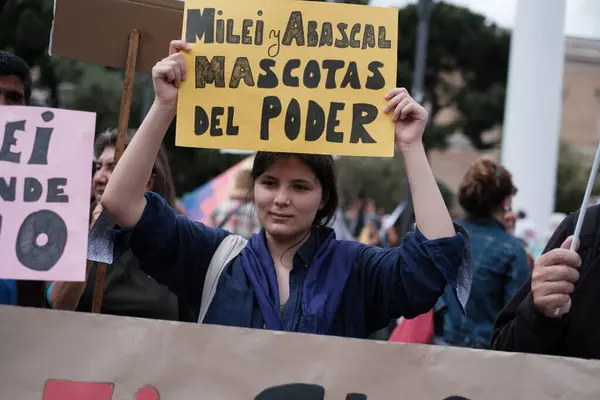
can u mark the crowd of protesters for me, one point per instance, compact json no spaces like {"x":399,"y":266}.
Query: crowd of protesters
{"x":278,"y":222}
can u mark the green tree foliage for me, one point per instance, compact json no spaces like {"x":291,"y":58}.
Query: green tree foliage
{"x":193,"y":167}
{"x":99,"y":90}
{"x":383,"y":180}
{"x":25,"y":30}
{"x":467,"y":61}
{"x":571,"y":179}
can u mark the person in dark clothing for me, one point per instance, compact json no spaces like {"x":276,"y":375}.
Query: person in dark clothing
{"x":554,"y":312}
{"x":499,"y":259}
{"x":128,"y":291}
{"x":359,"y":223}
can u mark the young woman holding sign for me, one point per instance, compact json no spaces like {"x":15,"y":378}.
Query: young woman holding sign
{"x":294,"y":275}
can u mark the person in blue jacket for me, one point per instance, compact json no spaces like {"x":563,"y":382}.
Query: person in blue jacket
{"x":293,"y":275}
{"x":8,"y":292}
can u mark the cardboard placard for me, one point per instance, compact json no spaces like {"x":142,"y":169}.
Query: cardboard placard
{"x":52,"y":355}
{"x":303,"y":77}
{"x":96,"y":31}
{"x":45,"y":179}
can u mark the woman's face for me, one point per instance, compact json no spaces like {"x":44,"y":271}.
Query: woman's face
{"x":287,"y":197}
{"x":102,"y":171}
{"x":509,"y":217}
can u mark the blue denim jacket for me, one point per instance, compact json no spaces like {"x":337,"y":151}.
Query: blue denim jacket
{"x":382,"y":284}
{"x":499,"y":269}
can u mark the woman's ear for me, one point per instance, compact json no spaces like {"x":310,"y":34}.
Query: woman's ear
{"x":324,"y":201}
{"x":507,"y":203}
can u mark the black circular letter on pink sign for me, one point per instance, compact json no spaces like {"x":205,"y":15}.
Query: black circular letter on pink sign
{"x":41,"y":258}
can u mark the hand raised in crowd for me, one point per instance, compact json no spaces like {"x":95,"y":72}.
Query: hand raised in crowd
{"x":410,"y":117}
{"x":553,"y":280}
{"x":168,"y":73}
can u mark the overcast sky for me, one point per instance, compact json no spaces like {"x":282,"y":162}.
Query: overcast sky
{"x":582,"y":19}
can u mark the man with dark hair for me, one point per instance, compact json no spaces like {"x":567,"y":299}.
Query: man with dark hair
{"x":15,"y":90}
{"x":15,"y":80}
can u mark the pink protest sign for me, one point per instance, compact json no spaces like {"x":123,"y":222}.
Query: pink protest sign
{"x":45,"y":182}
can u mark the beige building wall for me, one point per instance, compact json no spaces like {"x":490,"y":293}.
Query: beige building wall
{"x":580,"y":116}
{"x":581,"y":108}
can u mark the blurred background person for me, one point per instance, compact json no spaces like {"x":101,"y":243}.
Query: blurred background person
{"x":238,"y":214}
{"x":500,"y":264}
{"x":128,"y":291}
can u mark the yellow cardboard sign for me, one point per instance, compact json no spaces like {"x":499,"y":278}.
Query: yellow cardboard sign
{"x":301,"y":77}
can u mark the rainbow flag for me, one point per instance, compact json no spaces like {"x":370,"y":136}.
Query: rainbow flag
{"x":200,"y":203}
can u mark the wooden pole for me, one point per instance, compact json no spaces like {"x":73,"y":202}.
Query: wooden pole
{"x":132,"y":52}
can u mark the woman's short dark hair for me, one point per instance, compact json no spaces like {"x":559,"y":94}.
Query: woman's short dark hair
{"x":163,"y":181}
{"x":484,"y":187}
{"x":322,"y":166}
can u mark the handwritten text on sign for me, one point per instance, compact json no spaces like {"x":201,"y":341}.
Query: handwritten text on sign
{"x":303,"y":77}
{"x":45,"y":178}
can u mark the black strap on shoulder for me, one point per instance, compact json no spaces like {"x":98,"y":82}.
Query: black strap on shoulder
{"x":590,"y":223}
{"x":589,"y":238}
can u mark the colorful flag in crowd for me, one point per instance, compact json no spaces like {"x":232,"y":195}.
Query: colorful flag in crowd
{"x":200,"y":203}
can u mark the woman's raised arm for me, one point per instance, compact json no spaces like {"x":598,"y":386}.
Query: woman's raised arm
{"x":124,"y":198}
{"x":433,"y":218}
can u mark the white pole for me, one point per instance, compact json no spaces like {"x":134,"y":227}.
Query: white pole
{"x":586,"y":199}
{"x":534,"y":105}
{"x":584,"y":206}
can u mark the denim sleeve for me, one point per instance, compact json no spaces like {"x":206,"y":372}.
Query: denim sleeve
{"x":518,"y":274}
{"x":172,"y":249}
{"x":407,"y":281}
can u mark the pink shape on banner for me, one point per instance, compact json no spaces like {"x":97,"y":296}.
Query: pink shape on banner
{"x":147,"y":393}
{"x":45,"y":179}
{"x":71,"y":390}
